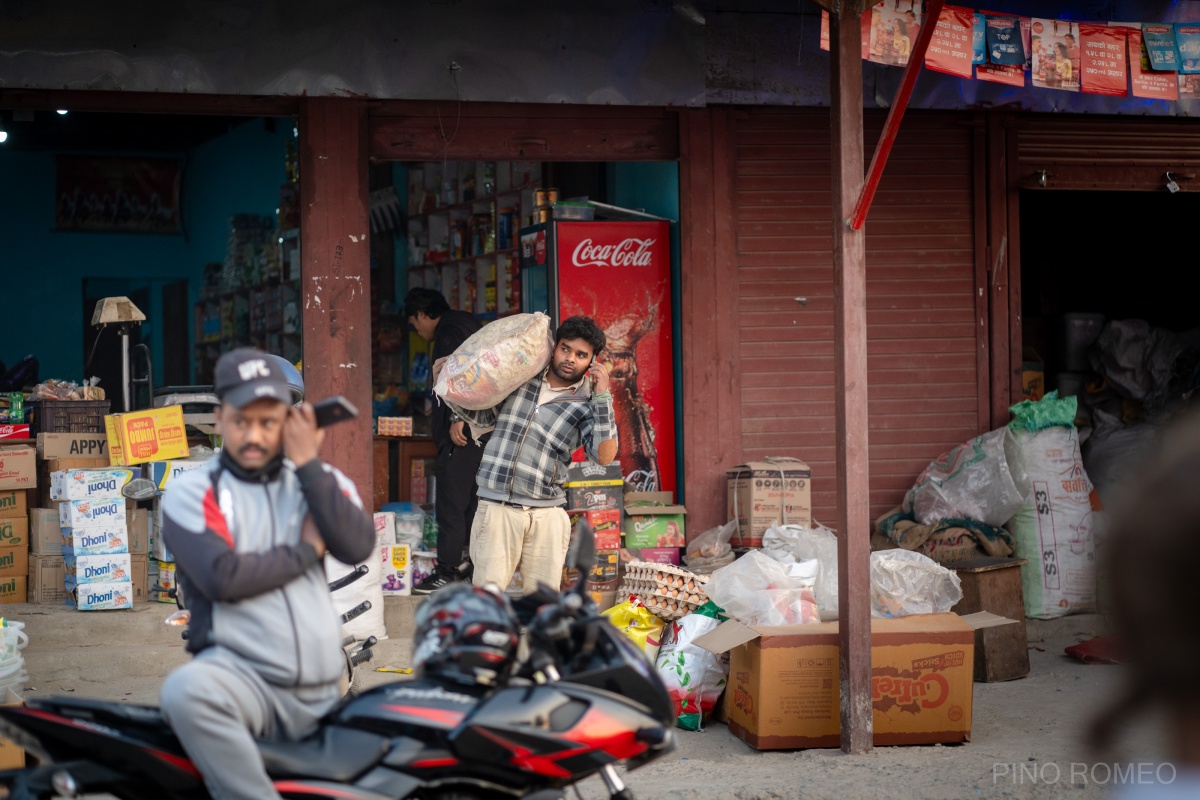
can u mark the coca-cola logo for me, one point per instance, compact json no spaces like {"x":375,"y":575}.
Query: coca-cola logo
{"x":629,"y":253}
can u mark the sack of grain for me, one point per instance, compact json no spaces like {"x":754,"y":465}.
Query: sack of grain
{"x":495,"y":361}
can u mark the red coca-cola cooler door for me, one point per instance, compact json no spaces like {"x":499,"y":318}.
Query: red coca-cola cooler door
{"x":619,"y":273}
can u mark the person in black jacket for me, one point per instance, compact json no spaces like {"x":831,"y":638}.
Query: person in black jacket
{"x":458,"y":454}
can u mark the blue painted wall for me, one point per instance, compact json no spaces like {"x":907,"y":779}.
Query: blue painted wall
{"x":42,"y":271}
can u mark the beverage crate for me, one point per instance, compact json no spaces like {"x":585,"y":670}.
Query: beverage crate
{"x":67,"y":416}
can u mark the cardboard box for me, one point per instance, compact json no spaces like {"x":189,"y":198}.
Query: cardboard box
{"x":763,"y":493}
{"x":14,"y":560}
{"x":105,"y":568}
{"x":396,"y":576}
{"x":51,"y":465}
{"x":136,"y":437}
{"x":606,"y":526}
{"x":652,"y":521}
{"x":656,"y":555}
{"x":994,"y":585}
{"x":13,"y":503}
{"x":47,"y":579}
{"x":89,"y":484}
{"x":99,"y":596}
{"x":138,"y":527}
{"x":581,"y":472}
{"x":602,"y":495}
{"x":45,"y":532}
{"x":163,"y":472}
{"x":12,"y":430}
{"x":13,"y":589}
{"x":94,"y":541}
{"x":18,"y":466}
{"x":140,"y":566}
{"x":72,"y":445}
{"x":783,"y":690}
{"x":14,"y":531}
{"x":80,"y":514}
{"x":11,"y":756}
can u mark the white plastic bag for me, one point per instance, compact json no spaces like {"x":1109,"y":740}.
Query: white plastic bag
{"x":904,"y":582}
{"x":495,"y":361}
{"x":693,"y":676}
{"x":789,"y":544}
{"x":710,"y":550}
{"x":368,"y":587}
{"x":758,"y":590}
{"x":983,"y":479}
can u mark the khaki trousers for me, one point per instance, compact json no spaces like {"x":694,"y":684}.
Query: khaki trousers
{"x":506,"y":538}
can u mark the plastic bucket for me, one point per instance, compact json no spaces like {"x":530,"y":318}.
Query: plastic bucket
{"x":1080,"y":331}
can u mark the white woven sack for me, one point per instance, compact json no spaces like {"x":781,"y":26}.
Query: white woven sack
{"x":495,"y":361}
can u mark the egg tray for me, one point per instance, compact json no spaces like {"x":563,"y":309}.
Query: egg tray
{"x":668,"y":591}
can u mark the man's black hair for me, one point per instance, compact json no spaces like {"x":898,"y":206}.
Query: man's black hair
{"x":582,"y":328}
{"x":427,"y":300}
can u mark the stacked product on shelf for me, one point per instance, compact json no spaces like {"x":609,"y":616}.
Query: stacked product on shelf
{"x":597,"y":493}
{"x":163,"y":473}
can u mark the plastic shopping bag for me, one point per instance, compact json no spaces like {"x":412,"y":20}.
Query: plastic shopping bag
{"x":495,"y":361}
{"x":638,"y":623}
{"x":904,"y":583}
{"x":758,"y":590}
{"x":789,"y":544}
{"x":983,"y":479}
{"x":693,"y":676}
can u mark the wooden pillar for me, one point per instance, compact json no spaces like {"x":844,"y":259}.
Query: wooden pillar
{"x":335,"y":291}
{"x":850,"y":380}
{"x":712,"y":435}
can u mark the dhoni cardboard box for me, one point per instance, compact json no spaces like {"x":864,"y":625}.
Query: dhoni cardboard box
{"x":99,"y":596}
{"x":89,"y":484}
{"x":762,"y":493}
{"x":14,"y":531}
{"x":72,"y":445}
{"x":45,"y":532}
{"x":14,"y":560}
{"x":18,"y":466}
{"x":94,"y":541}
{"x":104,"y":568}
{"x":11,"y":756}
{"x":652,"y":521}
{"x":13,"y":503}
{"x":50,"y":466}
{"x":606,"y":526}
{"x":594,"y":486}
{"x":13,"y":589}
{"x":109,"y":513}
{"x":783,"y":689}
{"x":156,"y":434}
{"x":47,"y":579}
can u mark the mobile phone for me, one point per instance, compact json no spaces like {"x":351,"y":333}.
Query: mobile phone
{"x":334,"y":409}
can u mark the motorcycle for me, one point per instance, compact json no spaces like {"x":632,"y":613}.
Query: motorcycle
{"x":582,"y":700}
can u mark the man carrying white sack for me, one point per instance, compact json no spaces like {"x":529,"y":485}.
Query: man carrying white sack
{"x":521,"y":522}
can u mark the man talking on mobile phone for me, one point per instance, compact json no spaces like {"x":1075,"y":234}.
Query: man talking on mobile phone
{"x":521,"y":522}
{"x":248,"y":533}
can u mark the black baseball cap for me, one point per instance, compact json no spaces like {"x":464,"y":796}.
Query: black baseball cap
{"x":247,"y":374}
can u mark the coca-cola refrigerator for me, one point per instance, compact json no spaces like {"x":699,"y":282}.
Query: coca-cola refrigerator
{"x":619,"y":274}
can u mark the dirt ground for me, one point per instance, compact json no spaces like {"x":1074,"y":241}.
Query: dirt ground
{"x":1025,"y":737}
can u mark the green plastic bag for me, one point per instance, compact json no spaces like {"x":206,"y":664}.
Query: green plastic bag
{"x":1049,"y":412}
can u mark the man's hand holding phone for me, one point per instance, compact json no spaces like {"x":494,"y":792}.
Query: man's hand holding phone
{"x":302,"y":439}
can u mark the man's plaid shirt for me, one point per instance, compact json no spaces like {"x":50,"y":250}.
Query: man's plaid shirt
{"x":526,"y":459}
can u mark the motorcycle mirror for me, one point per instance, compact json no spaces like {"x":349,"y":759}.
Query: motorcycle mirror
{"x":140,"y":489}
{"x":582,"y":553}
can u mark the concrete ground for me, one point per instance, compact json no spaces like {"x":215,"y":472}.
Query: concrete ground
{"x":1025,"y":737}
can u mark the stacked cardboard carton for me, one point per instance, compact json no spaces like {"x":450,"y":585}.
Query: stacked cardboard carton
{"x":597,"y":493}
{"x":93,"y":518}
{"x":18,"y":479}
